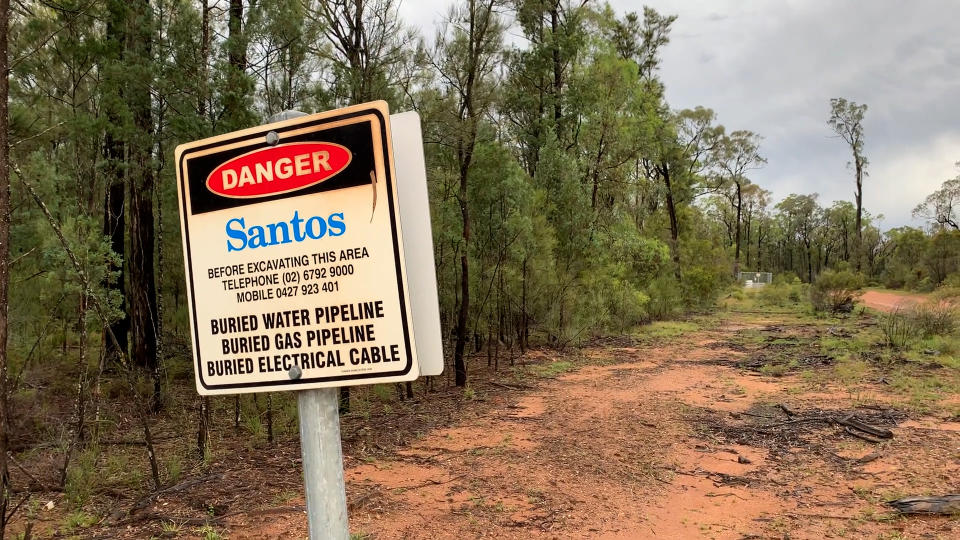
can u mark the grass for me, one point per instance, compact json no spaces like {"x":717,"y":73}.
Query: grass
{"x":661,"y":330}
{"x":916,"y":351}
{"x":553,"y":369}
{"x":207,"y":532}
{"x":75,"y":521}
{"x":82,"y":477}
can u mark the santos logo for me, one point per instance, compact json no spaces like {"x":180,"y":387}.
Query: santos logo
{"x":278,"y":169}
{"x":240,"y":237}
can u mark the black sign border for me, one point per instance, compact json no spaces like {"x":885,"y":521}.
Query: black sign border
{"x":388,"y":171}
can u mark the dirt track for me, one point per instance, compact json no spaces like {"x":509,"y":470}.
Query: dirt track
{"x":887,"y":301}
{"x":684,"y":440}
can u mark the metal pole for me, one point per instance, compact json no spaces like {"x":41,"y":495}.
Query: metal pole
{"x":323,"y":464}
{"x":320,"y":442}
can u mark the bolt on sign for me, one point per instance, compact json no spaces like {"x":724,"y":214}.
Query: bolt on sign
{"x":294,"y":255}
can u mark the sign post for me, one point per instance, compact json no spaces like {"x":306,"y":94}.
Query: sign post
{"x":296,"y":273}
{"x":323,"y":463}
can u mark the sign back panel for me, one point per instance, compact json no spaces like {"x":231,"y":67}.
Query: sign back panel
{"x":294,"y":255}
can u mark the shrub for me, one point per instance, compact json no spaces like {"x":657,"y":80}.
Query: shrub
{"x":701,"y":287}
{"x":934,"y":319}
{"x":665,"y":298}
{"x":925,"y":285}
{"x":899,"y":329}
{"x":774,"y":295}
{"x":835,"y":291}
{"x":785,"y":278}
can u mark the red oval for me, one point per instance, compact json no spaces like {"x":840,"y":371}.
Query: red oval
{"x":278,"y":169}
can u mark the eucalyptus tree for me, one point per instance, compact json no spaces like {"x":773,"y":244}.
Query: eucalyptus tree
{"x":681,"y":151}
{"x":755,"y":199}
{"x":736,"y":154}
{"x":846,"y":120}
{"x":840,"y":232}
{"x":5,"y":490}
{"x":644,"y":41}
{"x":942,"y":207}
{"x":800,"y":217}
{"x":367,"y":46}
{"x":466,"y":58}
{"x":282,"y":54}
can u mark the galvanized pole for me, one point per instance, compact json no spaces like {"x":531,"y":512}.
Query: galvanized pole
{"x":320,"y":442}
{"x":323,"y":463}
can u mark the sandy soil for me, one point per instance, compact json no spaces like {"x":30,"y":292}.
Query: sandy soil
{"x":728,"y":433}
{"x":674,"y":441}
{"x":888,"y":301}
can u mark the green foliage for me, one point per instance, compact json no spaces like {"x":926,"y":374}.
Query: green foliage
{"x":74,"y":522}
{"x":582,"y":183}
{"x":899,"y":329}
{"x":934,"y":319}
{"x":553,"y":369}
{"x":835,"y":291}
{"x":208,"y":532}
{"x":666,"y":299}
{"x":82,"y":477}
{"x":780,"y":294}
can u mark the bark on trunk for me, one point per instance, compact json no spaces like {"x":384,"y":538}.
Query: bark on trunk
{"x":114,"y":223}
{"x":858,"y":249}
{"x":736,"y":258}
{"x":142,"y":291}
{"x":4,"y":260}
{"x":557,"y":66}
{"x":674,"y":223}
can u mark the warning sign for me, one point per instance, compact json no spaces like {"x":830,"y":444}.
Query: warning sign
{"x":294,"y":255}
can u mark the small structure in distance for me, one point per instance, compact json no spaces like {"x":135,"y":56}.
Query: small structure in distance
{"x":753,"y":280}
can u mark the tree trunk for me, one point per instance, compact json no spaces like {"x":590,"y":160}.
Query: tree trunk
{"x":674,"y":224}
{"x":203,"y":430}
{"x":736,"y":258}
{"x":203,"y":424}
{"x":114,"y":222}
{"x":142,"y":291}
{"x":759,"y":243}
{"x":858,"y":249}
{"x":459,"y":365}
{"x":234,"y":106}
{"x":4,"y":259}
{"x":557,"y":66}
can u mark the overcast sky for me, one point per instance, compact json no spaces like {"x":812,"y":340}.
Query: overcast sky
{"x":772,"y":67}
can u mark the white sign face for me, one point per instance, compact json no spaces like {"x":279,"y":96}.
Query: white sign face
{"x":294,"y":255}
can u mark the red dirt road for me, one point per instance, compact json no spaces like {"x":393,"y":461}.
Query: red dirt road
{"x":675,"y":440}
{"x":886,"y":301}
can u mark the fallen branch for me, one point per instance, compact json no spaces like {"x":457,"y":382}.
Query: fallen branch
{"x":428,"y":483}
{"x":851,"y":421}
{"x":135,"y":442}
{"x":511,"y":386}
{"x":944,"y":504}
{"x":150,"y":497}
{"x":787,"y":410}
{"x":35,"y":480}
{"x":862,"y":436}
{"x":208,"y":520}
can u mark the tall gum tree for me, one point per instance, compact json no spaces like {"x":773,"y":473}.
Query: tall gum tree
{"x":846,"y":120}
{"x":736,"y":154}
{"x":466,"y":57}
{"x":4,"y":258}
